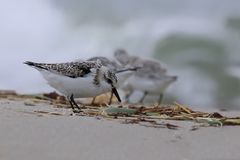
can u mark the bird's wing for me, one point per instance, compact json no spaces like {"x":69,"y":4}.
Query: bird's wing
{"x":111,"y":64}
{"x":71,"y":69}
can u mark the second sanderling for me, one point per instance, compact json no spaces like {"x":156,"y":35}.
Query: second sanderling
{"x":151,"y":78}
{"x":78,"y":79}
{"x":122,"y":72}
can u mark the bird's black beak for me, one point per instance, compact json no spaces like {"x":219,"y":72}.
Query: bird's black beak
{"x":115,"y":92}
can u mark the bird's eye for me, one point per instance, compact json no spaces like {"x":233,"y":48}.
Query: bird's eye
{"x":109,"y":81}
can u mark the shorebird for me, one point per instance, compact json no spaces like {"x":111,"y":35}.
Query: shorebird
{"x":122,"y":72}
{"x":78,"y":79}
{"x":151,"y":78}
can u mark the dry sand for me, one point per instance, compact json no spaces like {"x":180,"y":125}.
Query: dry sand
{"x":28,"y":136}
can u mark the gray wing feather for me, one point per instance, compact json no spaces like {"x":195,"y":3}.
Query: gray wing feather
{"x":71,"y":69}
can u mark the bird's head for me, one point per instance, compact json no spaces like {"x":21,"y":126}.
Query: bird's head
{"x":111,"y":79}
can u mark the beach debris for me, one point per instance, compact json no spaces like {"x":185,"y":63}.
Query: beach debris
{"x":29,"y":103}
{"x":144,"y":115}
{"x":195,"y":128}
{"x":150,"y":123}
{"x":210,"y":121}
{"x":52,"y":95}
{"x":231,"y":121}
{"x":49,"y":113}
{"x":6,"y":93}
{"x":116,"y":111}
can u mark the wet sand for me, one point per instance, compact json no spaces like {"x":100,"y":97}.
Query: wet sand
{"x":27,"y":135}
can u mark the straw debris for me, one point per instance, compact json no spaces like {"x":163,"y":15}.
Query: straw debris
{"x":148,"y":116}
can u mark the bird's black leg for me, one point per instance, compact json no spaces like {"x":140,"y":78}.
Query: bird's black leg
{"x":143,"y":97}
{"x":128,"y":95}
{"x":71,"y":104}
{"x":111,"y":97}
{"x":73,"y":101}
{"x":160,"y":99}
{"x":93,"y":101}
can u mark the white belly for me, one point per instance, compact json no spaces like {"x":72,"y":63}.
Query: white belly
{"x":149,"y":85}
{"x":123,"y":76}
{"x":80,"y":87}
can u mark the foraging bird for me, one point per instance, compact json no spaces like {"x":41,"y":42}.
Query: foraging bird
{"x":78,"y":79}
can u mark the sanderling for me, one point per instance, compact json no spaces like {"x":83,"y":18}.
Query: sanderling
{"x":122,"y":72}
{"x":151,"y":78}
{"x":111,"y":64}
{"x":78,"y":79}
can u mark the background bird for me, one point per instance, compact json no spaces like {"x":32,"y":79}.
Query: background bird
{"x":151,"y":78}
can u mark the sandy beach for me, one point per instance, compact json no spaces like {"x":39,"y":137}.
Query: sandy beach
{"x":173,"y":66}
{"x":27,"y":133}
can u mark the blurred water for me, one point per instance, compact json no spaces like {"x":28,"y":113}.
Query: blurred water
{"x":196,"y":40}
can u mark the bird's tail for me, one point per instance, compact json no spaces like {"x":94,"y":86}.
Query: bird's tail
{"x":35,"y":65}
